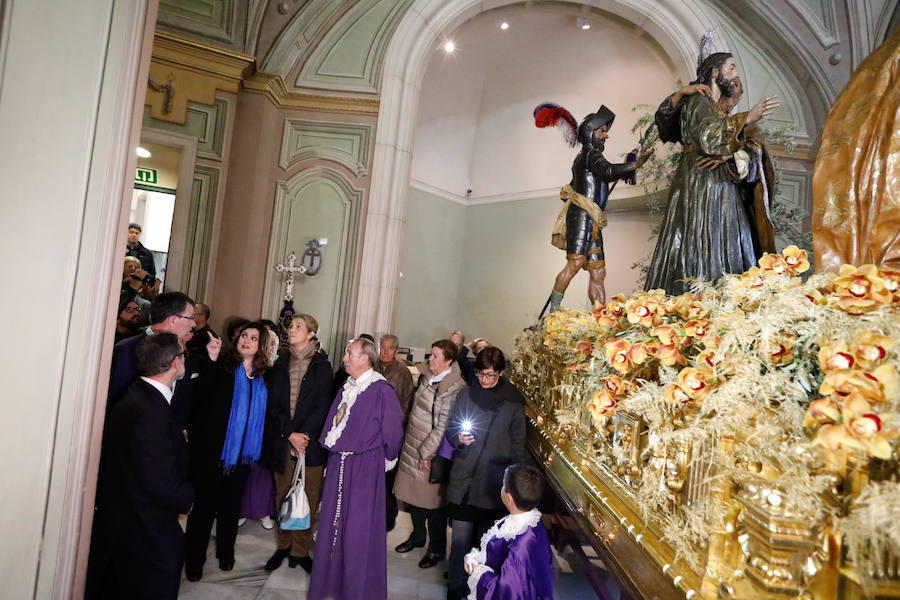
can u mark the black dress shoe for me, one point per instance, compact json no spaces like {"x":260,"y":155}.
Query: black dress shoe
{"x":226,"y":564}
{"x":305,"y":563}
{"x":409,"y":545}
{"x":430,"y":559}
{"x":193,"y":574}
{"x":275,"y":561}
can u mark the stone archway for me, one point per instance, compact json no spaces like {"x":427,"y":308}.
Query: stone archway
{"x":676,"y":26}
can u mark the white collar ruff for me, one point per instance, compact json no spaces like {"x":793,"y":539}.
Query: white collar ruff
{"x":351,"y":391}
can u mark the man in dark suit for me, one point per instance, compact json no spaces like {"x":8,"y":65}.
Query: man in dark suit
{"x":137,"y":546}
{"x":171,"y":312}
{"x":135,"y":248}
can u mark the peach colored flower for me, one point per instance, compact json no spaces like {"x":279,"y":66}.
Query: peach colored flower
{"x":709,"y":358}
{"x":616,"y":307}
{"x":669,"y":356}
{"x":675,"y":395}
{"x":824,"y":411}
{"x":645,"y":309}
{"x":874,"y":386}
{"x":695,"y":382}
{"x":639,"y":353}
{"x":695,"y":310}
{"x":699,"y":328}
{"x":870,"y":348}
{"x":754,"y":277}
{"x":603,"y":404}
{"x":836,"y":357}
{"x":796,"y":259}
{"x":780,"y":348}
{"x":891,"y":281}
{"x":859,"y":290}
{"x":618,"y":386}
{"x":816,"y":297}
{"x":583,"y":348}
{"x":860,"y":429}
{"x":617,"y":353}
{"x":773,"y":263}
{"x":666,"y":334}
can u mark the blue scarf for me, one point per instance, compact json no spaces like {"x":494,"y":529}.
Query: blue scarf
{"x":243,"y":438}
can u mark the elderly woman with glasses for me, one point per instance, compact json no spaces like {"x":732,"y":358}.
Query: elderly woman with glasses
{"x":487,"y":430}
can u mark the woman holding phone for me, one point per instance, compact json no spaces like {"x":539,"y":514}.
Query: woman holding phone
{"x":487,"y":429}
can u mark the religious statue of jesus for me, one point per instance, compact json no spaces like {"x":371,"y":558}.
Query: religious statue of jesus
{"x":711,"y":226}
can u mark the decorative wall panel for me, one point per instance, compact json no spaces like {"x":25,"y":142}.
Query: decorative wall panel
{"x":344,"y":143}
{"x":206,"y":123}
{"x":213,"y":19}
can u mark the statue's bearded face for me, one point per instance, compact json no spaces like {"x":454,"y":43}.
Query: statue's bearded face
{"x":726,"y":77}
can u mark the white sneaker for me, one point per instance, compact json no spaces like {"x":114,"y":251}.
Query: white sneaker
{"x":267,"y":522}
{"x":241,"y":522}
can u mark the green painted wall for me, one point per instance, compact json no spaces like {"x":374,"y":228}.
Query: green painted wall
{"x":487,"y":270}
{"x":431,"y":264}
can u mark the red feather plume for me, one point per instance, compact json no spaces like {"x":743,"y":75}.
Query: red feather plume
{"x":554,"y":115}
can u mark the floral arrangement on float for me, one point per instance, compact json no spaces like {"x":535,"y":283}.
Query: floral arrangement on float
{"x":798,"y":379}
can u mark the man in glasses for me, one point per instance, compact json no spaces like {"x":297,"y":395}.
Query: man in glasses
{"x":128,"y":321}
{"x":171,"y":312}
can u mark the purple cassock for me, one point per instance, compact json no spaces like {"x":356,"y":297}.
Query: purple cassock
{"x":514,"y":562}
{"x":364,"y":429}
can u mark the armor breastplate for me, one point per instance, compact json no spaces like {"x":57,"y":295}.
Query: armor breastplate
{"x":587,"y":183}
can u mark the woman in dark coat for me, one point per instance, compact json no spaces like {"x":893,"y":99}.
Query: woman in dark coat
{"x":304,"y":376}
{"x":487,"y":429}
{"x":232,"y":421}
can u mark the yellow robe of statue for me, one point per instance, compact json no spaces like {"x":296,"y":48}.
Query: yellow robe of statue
{"x":856,"y":181}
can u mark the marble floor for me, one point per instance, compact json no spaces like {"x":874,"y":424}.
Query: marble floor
{"x":406,"y":581}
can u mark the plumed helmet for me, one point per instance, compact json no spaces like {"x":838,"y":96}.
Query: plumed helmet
{"x":594,"y":121}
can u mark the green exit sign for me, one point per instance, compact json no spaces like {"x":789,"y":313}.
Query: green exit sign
{"x":146,"y":175}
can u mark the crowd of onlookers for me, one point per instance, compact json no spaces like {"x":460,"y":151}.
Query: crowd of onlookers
{"x":212,"y":427}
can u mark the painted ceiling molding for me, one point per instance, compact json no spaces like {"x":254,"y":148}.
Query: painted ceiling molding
{"x":206,"y":123}
{"x":220,"y":20}
{"x":344,"y":143}
{"x":272,"y":86}
{"x":820,"y":17}
{"x":294,"y":40}
{"x":256,"y":10}
{"x":349,"y":58}
{"x":869,"y":20}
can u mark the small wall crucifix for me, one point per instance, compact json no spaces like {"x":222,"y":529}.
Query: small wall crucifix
{"x":291,"y":268}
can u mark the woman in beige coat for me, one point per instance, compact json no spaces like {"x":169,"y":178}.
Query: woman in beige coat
{"x":434,"y":398}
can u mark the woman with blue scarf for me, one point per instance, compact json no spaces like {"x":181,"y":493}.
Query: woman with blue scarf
{"x":231,"y":426}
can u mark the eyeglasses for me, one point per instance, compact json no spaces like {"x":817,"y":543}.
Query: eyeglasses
{"x":131,"y":309}
{"x":191,"y":318}
{"x":487,"y":374}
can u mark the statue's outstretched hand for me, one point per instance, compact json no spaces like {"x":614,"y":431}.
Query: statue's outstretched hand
{"x":644,"y":155}
{"x":763,"y":108}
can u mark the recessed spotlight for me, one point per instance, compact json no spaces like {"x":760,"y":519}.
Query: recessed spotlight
{"x":503,"y":24}
{"x":449,"y":47}
{"x":582,"y":23}
{"x":143,"y":152}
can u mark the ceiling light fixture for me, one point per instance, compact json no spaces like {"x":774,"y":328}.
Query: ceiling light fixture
{"x":143,"y":152}
{"x":503,"y":24}
{"x":582,"y":23}
{"x":449,"y":47}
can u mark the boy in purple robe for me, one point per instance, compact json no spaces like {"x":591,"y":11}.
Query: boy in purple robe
{"x":514,"y":561}
{"x":364,"y":433}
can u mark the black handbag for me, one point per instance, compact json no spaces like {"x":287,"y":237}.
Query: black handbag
{"x":440,"y":466}
{"x":440,"y":470}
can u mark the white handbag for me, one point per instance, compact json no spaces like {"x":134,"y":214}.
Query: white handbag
{"x":294,"y":512}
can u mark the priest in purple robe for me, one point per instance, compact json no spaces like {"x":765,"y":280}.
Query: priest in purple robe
{"x":514,"y":561}
{"x":363,"y":433}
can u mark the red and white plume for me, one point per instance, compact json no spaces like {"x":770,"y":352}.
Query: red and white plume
{"x":554,"y":115}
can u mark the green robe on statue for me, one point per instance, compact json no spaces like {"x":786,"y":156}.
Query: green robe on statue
{"x":710,"y":227}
